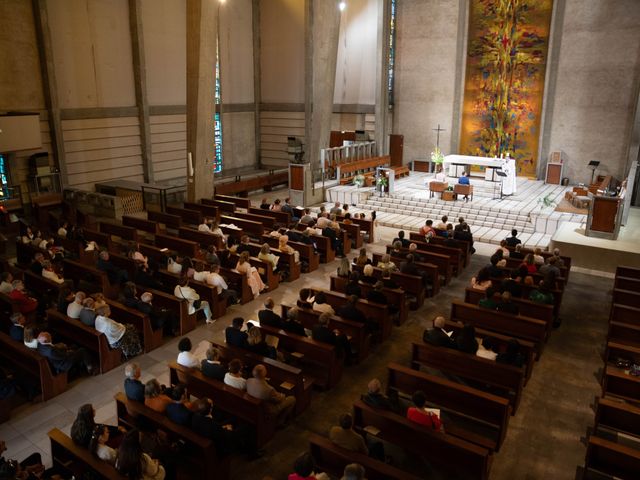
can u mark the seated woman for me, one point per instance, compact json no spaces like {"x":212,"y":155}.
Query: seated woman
{"x":124,"y":337}
{"x":173,"y":265}
{"x":155,"y":397}
{"x":133,"y":463}
{"x":234,"y":377}
{"x":84,"y":425}
{"x":385,"y":263}
{"x":320,"y":304}
{"x":482,"y":281}
{"x":256,"y":344}
{"x":187,"y":267}
{"x":420,"y":415}
{"x":361,"y":260}
{"x":530,"y":264}
{"x":353,"y":287}
{"x":135,"y":255}
{"x":440,"y":176}
{"x":266,"y":256}
{"x":344,"y":270}
{"x":98,"y":445}
{"x":185,"y":357}
{"x":283,"y":247}
{"x":305,"y":298}
{"x":200,"y":274}
{"x":253,"y":277}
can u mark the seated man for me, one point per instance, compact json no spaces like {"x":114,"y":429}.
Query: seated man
{"x":291,"y":325}
{"x":234,"y":335}
{"x":409,"y":267}
{"x":211,"y":366}
{"x":16,"y":331}
{"x":345,"y":437}
{"x":437,"y":335}
{"x":336,"y":210}
{"x":278,"y":405}
{"x":542,"y":294}
{"x":49,"y":274}
{"x":506,"y":305}
{"x":61,"y":357}
{"x":513,"y":240}
{"x":36,"y":265}
{"x":464,"y":180}
{"x":306,"y":218}
{"x":116,"y":275}
{"x":268,"y":316}
{"x":400,"y":238}
{"x":75,"y":307}
{"x":443,"y":222}
{"x":133,"y":387}
{"x":177,"y":410}
{"x":331,"y":232}
{"x":375,"y":398}
{"x":488,"y":301}
{"x":322,"y":333}
{"x":244,"y":245}
{"x":160,"y":317}
{"x":376,"y":295}
{"x":224,"y":292}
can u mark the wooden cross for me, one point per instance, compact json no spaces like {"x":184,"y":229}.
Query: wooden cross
{"x":438,"y":130}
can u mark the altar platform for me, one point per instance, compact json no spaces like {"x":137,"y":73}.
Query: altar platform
{"x":600,"y":255}
{"x":490,"y":218}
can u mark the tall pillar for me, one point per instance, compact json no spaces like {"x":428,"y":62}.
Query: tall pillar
{"x":382,"y":127}
{"x":323,"y":27}
{"x":202,"y":16}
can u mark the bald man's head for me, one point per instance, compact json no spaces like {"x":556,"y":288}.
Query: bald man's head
{"x":439,"y":322}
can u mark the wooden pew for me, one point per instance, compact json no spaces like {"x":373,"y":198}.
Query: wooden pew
{"x":103,"y":240}
{"x":353,"y":231}
{"x":183,"y":247}
{"x":462,"y":245}
{"x":95,"y":342}
{"x":528,"y":349}
{"x":323,"y":243}
{"x":197,"y":458}
{"x":455,"y":255}
{"x":618,"y":349}
{"x":221,"y":205}
{"x":269,"y":277}
{"x":460,"y":403}
{"x":237,"y":201}
{"x":243,"y":187}
{"x":527,"y":308}
{"x":157,"y":254}
{"x":32,"y":366}
{"x":332,"y":459}
{"x":627,"y":283}
{"x":318,"y":360}
{"x":411,"y":284}
{"x":520,"y":327}
{"x":307,"y":253}
{"x":626,"y":297}
{"x":373,"y":311}
{"x":619,"y":417}
{"x":177,"y":306}
{"x":628,"y":271}
{"x":356,"y":332}
{"x":625,"y":314}
{"x":433,"y":271}
{"x":448,"y":452}
{"x":192,"y":217}
{"x":617,"y":383}
{"x":286,"y":261}
{"x":255,"y":229}
{"x":77,"y":461}
{"x":236,"y":402}
{"x":268,"y":222}
{"x":507,"y":380}
{"x":207,"y":292}
{"x":167,"y":219}
{"x":527,"y":289}
{"x":125,"y":233}
{"x":282,"y":218}
{"x":624,"y":333}
{"x":141,"y":224}
{"x":41,"y":285}
{"x":285,"y":378}
{"x":395,"y":296}
{"x":609,"y":458}
{"x":208,"y":211}
{"x":149,"y":338}
{"x":78,"y":271}
{"x":204,"y":239}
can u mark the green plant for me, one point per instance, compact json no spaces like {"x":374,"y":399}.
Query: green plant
{"x":358,"y":180}
{"x":546,"y":201}
{"x":437,"y":156}
{"x":383,"y":181}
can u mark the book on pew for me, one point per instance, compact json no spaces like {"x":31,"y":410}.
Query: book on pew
{"x":371,"y":430}
{"x":435,"y":411}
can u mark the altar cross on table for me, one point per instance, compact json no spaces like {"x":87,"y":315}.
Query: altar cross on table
{"x":438,"y":130}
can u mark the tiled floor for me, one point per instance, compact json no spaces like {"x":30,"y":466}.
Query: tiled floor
{"x":543,"y":439}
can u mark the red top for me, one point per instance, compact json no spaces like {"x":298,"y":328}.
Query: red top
{"x":427,"y":419}
{"x":531,"y":268}
{"x":427,"y":230}
{"x":295,"y":476}
{"x":26,"y":304}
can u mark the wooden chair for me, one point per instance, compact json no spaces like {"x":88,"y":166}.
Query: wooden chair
{"x":437,"y":187}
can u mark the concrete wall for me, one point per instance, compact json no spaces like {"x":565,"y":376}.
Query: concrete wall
{"x":425,"y":74}
{"x":598,"y":76}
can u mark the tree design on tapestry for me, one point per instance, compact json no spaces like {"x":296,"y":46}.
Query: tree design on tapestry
{"x":507,"y":52}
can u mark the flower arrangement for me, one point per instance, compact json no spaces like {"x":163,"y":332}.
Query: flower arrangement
{"x":546,"y":202}
{"x":437,"y":156}
{"x":383,"y":181}
{"x":358,"y":180}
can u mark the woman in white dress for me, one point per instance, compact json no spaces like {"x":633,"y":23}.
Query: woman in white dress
{"x":253,"y":277}
{"x":124,"y":337}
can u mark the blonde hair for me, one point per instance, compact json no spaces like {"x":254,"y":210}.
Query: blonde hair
{"x":244,"y":257}
{"x":254,"y":336}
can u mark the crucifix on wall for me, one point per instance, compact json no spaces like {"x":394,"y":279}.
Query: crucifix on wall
{"x":438,"y":130}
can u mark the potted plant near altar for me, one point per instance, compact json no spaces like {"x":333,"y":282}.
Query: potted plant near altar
{"x":437,"y":157}
{"x":546,"y":202}
{"x":383,"y":183}
{"x":358,"y":180}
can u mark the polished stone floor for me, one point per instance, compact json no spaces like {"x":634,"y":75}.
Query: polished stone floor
{"x":543,"y":439}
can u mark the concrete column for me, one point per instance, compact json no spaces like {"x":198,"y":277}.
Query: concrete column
{"x":202,"y":16}
{"x":257,"y":89}
{"x":383,"y":119}
{"x":43,"y":37}
{"x":140,"y":83}
{"x":322,"y":32}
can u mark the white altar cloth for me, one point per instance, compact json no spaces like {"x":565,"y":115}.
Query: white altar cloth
{"x":508,"y":166}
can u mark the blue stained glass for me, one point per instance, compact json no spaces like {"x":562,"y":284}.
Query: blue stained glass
{"x":4,"y":183}
{"x":392,"y":51}
{"x":217,"y":121}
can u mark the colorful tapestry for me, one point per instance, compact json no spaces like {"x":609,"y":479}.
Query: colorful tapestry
{"x":507,"y":54}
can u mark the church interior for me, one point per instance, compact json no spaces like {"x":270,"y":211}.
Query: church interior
{"x":320,"y":239}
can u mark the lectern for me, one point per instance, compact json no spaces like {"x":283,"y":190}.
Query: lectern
{"x":605,"y":216}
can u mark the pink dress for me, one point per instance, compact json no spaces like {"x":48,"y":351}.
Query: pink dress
{"x":253,"y":277}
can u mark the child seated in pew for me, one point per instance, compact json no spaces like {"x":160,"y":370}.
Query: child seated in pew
{"x":98,"y":445}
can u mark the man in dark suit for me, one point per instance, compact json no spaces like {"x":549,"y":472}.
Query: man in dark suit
{"x":16,"y":331}
{"x":234,"y":335}
{"x":177,"y":411}
{"x":375,"y":398}
{"x":464,"y":233}
{"x":437,"y":336}
{"x":115,"y":274}
{"x":62,"y":358}
{"x":268,"y":316}
{"x":291,"y":325}
{"x":160,"y":317}
{"x":211,"y":367}
{"x":400,"y":238}
{"x":133,"y":387}
{"x":331,"y":232}
{"x":322,"y":333}
{"x":513,"y":240}
{"x":376,"y":295}
{"x":409,"y":267}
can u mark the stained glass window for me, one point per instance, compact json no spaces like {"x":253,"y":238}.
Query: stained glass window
{"x":4,"y":181}
{"x":217,"y":121}
{"x":392,"y":50}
